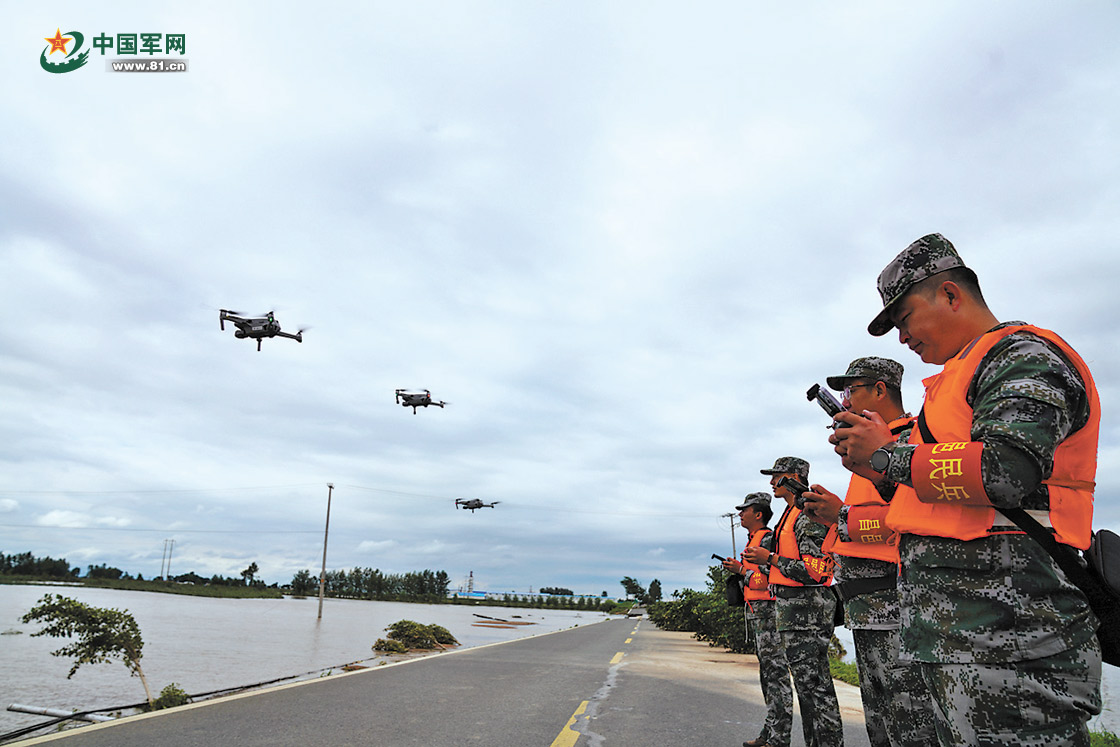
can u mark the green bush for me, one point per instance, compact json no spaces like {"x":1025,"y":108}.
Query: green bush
{"x":417,"y":635}
{"x":169,"y":697}
{"x":442,"y":635}
{"x":707,"y":615}
{"x":390,"y":646}
{"x":843,"y":671}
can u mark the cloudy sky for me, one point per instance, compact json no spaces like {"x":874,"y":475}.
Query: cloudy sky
{"x":621,"y":239}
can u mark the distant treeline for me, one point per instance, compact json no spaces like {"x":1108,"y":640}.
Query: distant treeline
{"x":26,"y":564}
{"x":600,"y":604}
{"x":371,"y":583}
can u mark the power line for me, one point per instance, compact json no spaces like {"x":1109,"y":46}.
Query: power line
{"x":147,"y":491}
{"x":163,"y":529}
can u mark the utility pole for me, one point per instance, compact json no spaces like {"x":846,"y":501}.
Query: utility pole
{"x":734,"y":547}
{"x":170,"y":549}
{"x":323,"y":573}
{"x":163,"y":562}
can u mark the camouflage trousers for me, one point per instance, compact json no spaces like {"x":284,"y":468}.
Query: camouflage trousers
{"x":773,"y":673}
{"x":807,"y":654}
{"x":897,"y":706}
{"x":1032,"y":703}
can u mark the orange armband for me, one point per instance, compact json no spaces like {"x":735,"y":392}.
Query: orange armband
{"x":949,"y":473}
{"x":867,"y":525}
{"x":820,"y":569}
{"x":758,"y":581}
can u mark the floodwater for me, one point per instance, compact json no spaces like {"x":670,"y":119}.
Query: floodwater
{"x":205,"y":644}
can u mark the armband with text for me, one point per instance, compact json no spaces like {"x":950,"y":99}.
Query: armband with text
{"x":758,"y":581}
{"x":867,"y":525}
{"x":949,"y":473}
{"x":820,"y":569}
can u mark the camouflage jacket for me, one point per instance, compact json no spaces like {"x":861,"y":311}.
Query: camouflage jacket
{"x":803,"y":607}
{"x":1000,"y":598}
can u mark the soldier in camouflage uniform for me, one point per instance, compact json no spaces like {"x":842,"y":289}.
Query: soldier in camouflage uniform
{"x":1006,"y":643}
{"x":897,"y":708}
{"x":799,"y":575}
{"x":761,"y":621}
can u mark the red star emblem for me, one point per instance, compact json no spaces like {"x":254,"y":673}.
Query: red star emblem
{"x":59,"y":42}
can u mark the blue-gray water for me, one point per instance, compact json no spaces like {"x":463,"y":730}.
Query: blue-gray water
{"x":206,"y":644}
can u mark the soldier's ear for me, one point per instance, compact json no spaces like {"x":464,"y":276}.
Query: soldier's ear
{"x":952,"y":294}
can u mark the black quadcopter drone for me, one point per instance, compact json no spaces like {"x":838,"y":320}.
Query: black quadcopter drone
{"x":256,"y":328}
{"x":473,"y":504}
{"x":416,"y":399}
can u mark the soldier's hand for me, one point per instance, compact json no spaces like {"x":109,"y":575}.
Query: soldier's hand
{"x":733,"y":565}
{"x":757,"y":555}
{"x":822,"y":506}
{"x":855,"y":444}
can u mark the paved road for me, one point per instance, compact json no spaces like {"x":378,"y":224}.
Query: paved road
{"x":621,"y":682}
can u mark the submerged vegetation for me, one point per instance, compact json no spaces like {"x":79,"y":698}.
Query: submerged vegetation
{"x":408,"y":635}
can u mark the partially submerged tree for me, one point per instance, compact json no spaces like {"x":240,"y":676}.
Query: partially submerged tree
{"x":250,"y":573}
{"x":102,"y":634}
{"x":635,"y":590}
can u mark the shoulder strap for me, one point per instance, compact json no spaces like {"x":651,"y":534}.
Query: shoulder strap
{"x":923,"y":428}
{"x":1064,"y":555}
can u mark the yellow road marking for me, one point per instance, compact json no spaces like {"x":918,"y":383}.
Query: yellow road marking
{"x":617,"y":658}
{"x":568,"y":735}
{"x":629,"y":639}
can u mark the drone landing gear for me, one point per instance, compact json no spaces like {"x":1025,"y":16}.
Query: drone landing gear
{"x":258,"y":344}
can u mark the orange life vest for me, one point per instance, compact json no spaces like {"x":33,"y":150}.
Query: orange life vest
{"x":862,"y":492}
{"x":756,"y":586}
{"x":949,"y":418}
{"x":787,"y":548}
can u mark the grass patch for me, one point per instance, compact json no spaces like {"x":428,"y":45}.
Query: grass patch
{"x":844,"y":671}
{"x":1103,"y":739}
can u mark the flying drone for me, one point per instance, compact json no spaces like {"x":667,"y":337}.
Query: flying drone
{"x":256,"y":328}
{"x":473,"y":504}
{"x":416,"y":399}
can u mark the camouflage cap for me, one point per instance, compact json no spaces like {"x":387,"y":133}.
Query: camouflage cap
{"x":876,"y":369}
{"x":924,"y":258}
{"x":762,"y":500}
{"x":786,"y":465}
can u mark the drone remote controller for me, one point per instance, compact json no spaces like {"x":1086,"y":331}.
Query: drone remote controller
{"x":828,"y":403}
